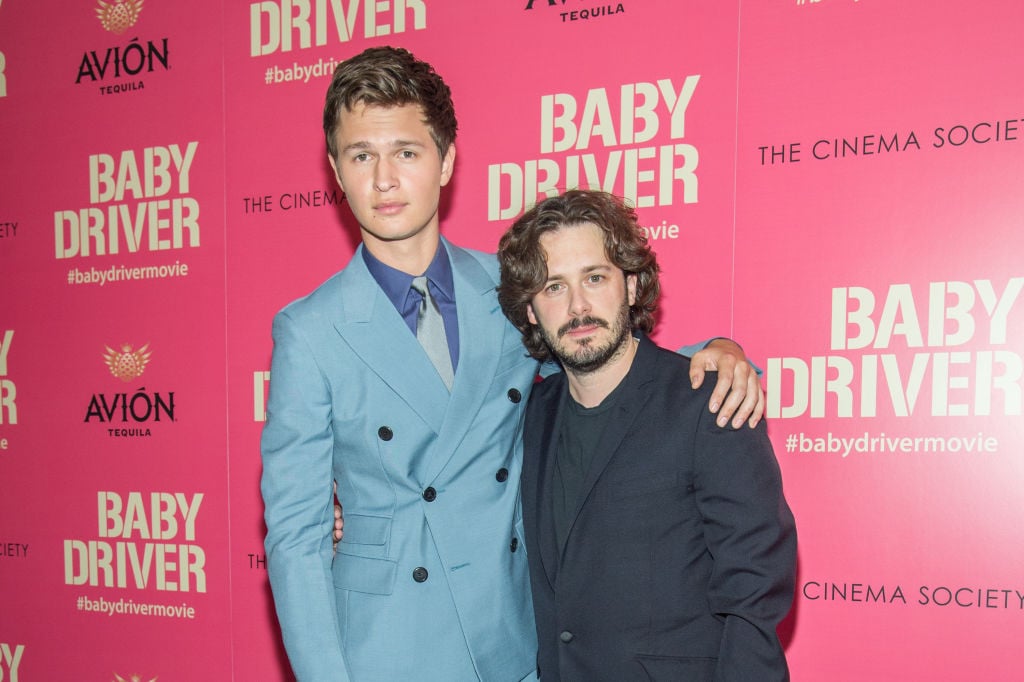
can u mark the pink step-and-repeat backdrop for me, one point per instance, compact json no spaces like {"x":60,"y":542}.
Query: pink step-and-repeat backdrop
{"x":834,"y":183}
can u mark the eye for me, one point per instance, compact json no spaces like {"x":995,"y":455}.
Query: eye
{"x":595,"y":279}
{"x":554,"y":287}
{"x":407,"y":154}
{"x":361,"y":157}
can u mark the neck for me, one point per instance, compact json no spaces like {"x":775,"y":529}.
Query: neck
{"x":591,"y":388}
{"x":412,"y":256}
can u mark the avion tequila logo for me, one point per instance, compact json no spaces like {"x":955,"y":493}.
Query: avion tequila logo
{"x":130,"y":414}
{"x":120,"y":15}
{"x":122,"y":68}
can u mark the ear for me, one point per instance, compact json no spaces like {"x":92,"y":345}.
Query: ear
{"x":529,"y":314}
{"x":337,"y":175}
{"x":448,"y":165}
{"x":631,"y":289}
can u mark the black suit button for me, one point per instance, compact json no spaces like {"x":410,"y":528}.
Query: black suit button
{"x":385,"y":433}
{"x":502,"y":475}
{"x":429,"y":494}
{"x":514,"y":545}
{"x":565,"y":636}
{"x":514,"y":395}
{"x":419,"y":574}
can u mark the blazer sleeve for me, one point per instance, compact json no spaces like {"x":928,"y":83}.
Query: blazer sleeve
{"x":297,"y":450}
{"x":751,"y":535}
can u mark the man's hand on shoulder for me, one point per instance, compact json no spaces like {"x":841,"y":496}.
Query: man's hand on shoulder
{"x":738,"y":394}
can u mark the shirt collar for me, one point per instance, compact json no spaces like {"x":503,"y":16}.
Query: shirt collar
{"x":396,"y":284}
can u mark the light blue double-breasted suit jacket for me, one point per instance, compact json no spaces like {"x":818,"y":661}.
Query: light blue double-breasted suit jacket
{"x":430,"y":581}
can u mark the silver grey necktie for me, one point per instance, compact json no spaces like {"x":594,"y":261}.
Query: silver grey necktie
{"x":430,"y":332}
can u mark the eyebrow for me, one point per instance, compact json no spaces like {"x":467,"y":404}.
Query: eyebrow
{"x":586,"y":271}
{"x":394,"y":144}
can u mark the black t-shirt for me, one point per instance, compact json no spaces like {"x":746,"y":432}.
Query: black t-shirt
{"x":582,"y":428}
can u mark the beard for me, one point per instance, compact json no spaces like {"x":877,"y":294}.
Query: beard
{"x":590,"y":355}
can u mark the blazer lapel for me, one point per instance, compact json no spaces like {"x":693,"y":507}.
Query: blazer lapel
{"x":546,"y":448}
{"x":482,"y":326}
{"x":376,"y":332}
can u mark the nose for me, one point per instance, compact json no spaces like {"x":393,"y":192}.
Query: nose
{"x":579,"y":304}
{"x":384,"y":177}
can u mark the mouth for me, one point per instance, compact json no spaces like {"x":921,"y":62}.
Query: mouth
{"x":389,"y":208}
{"x":581,"y":327}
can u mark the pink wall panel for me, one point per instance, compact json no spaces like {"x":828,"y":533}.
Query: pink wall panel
{"x":875,"y":218}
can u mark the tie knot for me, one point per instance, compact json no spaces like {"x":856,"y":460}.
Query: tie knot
{"x":419,"y":285}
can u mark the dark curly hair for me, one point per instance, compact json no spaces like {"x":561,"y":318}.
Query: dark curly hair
{"x":390,"y":77}
{"x":524,"y":269}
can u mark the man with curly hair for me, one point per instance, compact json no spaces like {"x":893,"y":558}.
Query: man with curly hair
{"x":660,"y":546}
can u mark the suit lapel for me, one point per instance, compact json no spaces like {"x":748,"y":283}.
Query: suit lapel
{"x":375,"y":331}
{"x":621,"y":418}
{"x":546,"y":447}
{"x":482,"y":326}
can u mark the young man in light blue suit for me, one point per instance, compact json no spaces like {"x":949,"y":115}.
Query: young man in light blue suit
{"x":430,"y":580}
